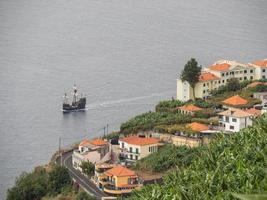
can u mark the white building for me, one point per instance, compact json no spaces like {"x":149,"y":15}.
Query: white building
{"x":219,"y":74}
{"x":260,"y":68}
{"x":135,"y":148}
{"x":94,"y":151}
{"x":235,"y":119}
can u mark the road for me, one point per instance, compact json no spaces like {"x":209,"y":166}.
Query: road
{"x":82,"y":180}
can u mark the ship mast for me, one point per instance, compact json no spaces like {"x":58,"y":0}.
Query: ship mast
{"x":75,"y":93}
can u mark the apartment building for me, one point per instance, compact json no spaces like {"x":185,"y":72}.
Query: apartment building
{"x":219,"y":74}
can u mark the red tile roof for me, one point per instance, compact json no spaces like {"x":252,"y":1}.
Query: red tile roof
{"x":141,"y":141}
{"x":195,"y":126}
{"x":235,"y":101}
{"x":234,"y":112}
{"x":207,"y":76}
{"x":96,"y":142}
{"x":260,"y":63}
{"x":119,"y":171}
{"x":190,"y":107}
{"x":220,"y":67}
{"x":254,"y":112}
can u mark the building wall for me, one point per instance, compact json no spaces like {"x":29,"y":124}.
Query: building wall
{"x":235,"y":126}
{"x":142,"y":152}
{"x":184,"y":91}
{"x":122,"y":180}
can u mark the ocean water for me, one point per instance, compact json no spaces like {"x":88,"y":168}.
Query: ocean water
{"x":125,"y":55}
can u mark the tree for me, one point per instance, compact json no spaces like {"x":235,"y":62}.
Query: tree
{"x":233,"y":84}
{"x":58,"y":179}
{"x":191,"y":73}
{"x":88,"y":168}
{"x":84,"y":196}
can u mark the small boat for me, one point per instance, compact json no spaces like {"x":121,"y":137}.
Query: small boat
{"x":78,"y":102}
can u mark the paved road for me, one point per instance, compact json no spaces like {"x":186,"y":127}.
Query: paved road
{"x":83,"y":181}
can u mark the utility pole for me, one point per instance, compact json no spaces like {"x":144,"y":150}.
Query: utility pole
{"x":107,"y":129}
{"x":104,"y":131}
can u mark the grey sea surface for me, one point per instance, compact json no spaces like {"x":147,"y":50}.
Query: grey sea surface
{"x":124,"y":54}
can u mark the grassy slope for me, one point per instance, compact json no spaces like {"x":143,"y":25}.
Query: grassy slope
{"x":229,"y":164}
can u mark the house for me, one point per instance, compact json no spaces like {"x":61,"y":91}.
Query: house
{"x":189,"y":109}
{"x":94,"y":151}
{"x":136,"y":147}
{"x":234,"y":119}
{"x":198,"y":127}
{"x":119,"y":180}
{"x":261,"y":96}
{"x":260,"y":68}
{"x":219,"y":74}
{"x":235,"y":101}
{"x":255,"y":112}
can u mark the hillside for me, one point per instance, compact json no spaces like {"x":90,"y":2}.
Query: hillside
{"x":230,"y":164}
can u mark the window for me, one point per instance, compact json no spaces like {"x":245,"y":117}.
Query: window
{"x":236,"y":72}
{"x":227,"y":80}
{"x":137,"y":150}
{"x":251,"y":71}
{"x":245,"y":71}
{"x":131,"y":156}
{"x":219,"y":82}
{"x":122,"y":145}
{"x":245,"y":78}
{"x":131,"y":149}
{"x":234,"y":120}
{"x":227,"y":119}
{"x":204,"y":85}
{"x":263,"y":77}
{"x":222,"y":74}
{"x":226,"y":73}
{"x":136,"y":157}
{"x":223,"y":81}
{"x":149,"y":149}
{"x":263,"y":70}
{"x":204,"y":91}
{"x":232,"y":127}
{"x":251,"y":77}
{"x":240,"y":78}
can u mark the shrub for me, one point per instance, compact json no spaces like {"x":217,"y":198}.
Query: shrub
{"x":148,"y":121}
{"x":58,"y":179}
{"x":168,"y":106}
{"x":84,"y":196}
{"x":88,"y":168}
{"x":167,"y":157}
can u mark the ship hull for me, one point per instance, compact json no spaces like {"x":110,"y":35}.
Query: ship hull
{"x":78,"y":106}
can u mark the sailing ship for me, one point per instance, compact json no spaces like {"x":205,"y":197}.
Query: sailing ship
{"x":78,"y":101}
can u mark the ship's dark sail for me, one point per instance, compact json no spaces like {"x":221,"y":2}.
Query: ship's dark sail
{"x":77,"y":103}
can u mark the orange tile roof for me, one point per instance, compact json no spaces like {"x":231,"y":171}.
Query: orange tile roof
{"x":96,"y":142}
{"x":141,"y":141}
{"x":207,"y":76}
{"x":254,"y":84}
{"x":84,"y":142}
{"x":234,"y":112}
{"x":254,"y":112}
{"x":260,"y":63}
{"x":119,"y":171}
{"x":235,"y":100}
{"x":220,"y":67}
{"x":190,"y":107}
{"x":195,"y":126}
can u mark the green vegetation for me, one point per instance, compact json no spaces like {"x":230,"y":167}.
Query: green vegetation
{"x":231,"y":86}
{"x":40,"y":183}
{"x":88,"y":168}
{"x":166,"y":158}
{"x":168,"y":105}
{"x":84,"y":196}
{"x":148,"y":121}
{"x":230,"y":164}
{"x":191,"y":73}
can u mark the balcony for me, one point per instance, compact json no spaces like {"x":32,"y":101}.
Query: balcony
{"x":111,"y":189}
